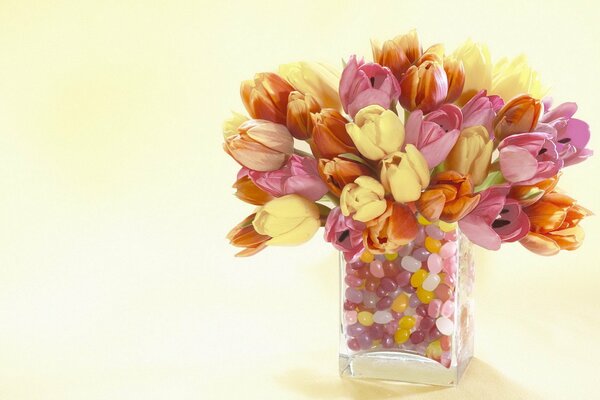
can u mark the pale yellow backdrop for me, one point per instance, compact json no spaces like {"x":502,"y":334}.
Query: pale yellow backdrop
{"x":116,"y":281}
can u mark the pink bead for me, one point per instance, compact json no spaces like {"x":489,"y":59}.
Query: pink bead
{"x":426,"y":324}
{"x":450,"y":265}
{"x":403,"y":278}
{"x":434,"y":334}
{"x":420,"y":254}
{"x":420,"y":238}
{"x":350,"y":317}
{"x":447,"y":309}
{"x":354,"y":295}
{"x":353,"y":344}
{"x":408,"y":289}
{"x":446,"y":359}
{"x":434,"y":231}
{"x":371,"y":284}
{"x":376,"y":269}
{"x":449,"y":280}
{"x":357,"y":265}
{"x":417,"y":337}
{"x":413,"y":301}
{"x":422,"y":310}
{"x":405,"y":250}
{"x":370,"y":299}
{"x":376,"y":331}
{"x":353,"y":281}
{"x":355,"y":330}
{"x":448,"y":249}
{"x":391,"y":327}
{"x":365,"y":341}
{"x":443,"y":292}
{"x":348,"y":305}
{"x":387,"y":341}
{"x":384,"y":303}
{"x":451,"y":236}
{"x":388,"y":284}
{"x":390,"y":268}
{"x":434,"y":263}
{"x":446,"y":342}
{"x":434,"y":308}
{"x":381,"y":292}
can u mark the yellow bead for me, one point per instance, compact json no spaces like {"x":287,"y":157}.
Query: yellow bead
{"x":407,"y":322}
{"x":416,"y":280}
{"x":400,"y":303}
{"x":365,"y":318}
{"x":402,"y":336}
{"x":391,"y":256}
{"x":447,"y":227}
{"x":422,"y":220}
{"x":434,"y":350}
{"x":367,"y":256}
{"x":425,"y":296}
{"x":432,"y":245}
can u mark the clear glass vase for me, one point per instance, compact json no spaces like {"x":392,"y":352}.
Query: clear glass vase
{"x":408,"y":316}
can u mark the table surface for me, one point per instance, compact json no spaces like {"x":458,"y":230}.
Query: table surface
{"x":116,"y":279}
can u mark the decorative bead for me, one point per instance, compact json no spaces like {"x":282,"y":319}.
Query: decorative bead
{"x":450,"y":265}
{"x":424,"y":295}
{"x":408,"y":289}
{"x":446,"y":343}
{"x":348,"y":305}
{"x":434,"y":263}
{"x":384,"y":303}
{"x":400,"y":303}
{"x":421,"y":254}
{"x":389,"y":268}
{"x":447,"y":309}
{"x":387,"y":341}
{"x":403,"y":278}
{"x":391,"y":256}
{"x":381,"y":292}
{"x":432,"y":245}
{"x":417,"y":336}
{"x":426,"y":324}
{"x":451,"y":236}
{"x":355,"y":330}
{"x":365,"y":318}
{"x":390,"y":327}
{"x":410,"y":263}
{"x":371,"y":284}
{"x":401,"y":336}
{"x":434,"y":308}
{"x":388,"y":284}
{"x":446,"y":227}
{"x":350,"y":317}
{"x":434,"y":350}
{"x":353,"y":344}
{"x":376,"y":331}
{"x":353,"y":281}
{"x":407,"y":322}
{"x":413,"y":301}
{"x":434,"y":232}
{"x":417,"y":278}
{"x":448,"y":249}
{"x":422,"y":220}
{"x":443,"y":292}
{"x":420,"y":236}
{"x":376,"y":268}
{"x":434,"y":333}
{"x":365,"y":340}
{"x":422,"y":310}
{"x":354,"y":295}
{"x":431,"y":282}
{"x":367,"y":256}
{"x":382,"y":317}
{"x":370,"y":299}
{"x":405,"y":250}
{"x":444,"y":325}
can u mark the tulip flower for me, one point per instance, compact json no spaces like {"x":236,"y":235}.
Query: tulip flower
{"x":316,"y":79}
{"x":363,"y":199}
{"x":299,"y":109}
{"x":519,"y":115}
{"x":571,"y":135}
{"x":554,"y":224}
{"x":449,"y":197}
{"x":329,"y":138}
{"x":266,"y":97}
{"x":231,"y":125}
{"x":513,"y":78}
{"x":376,"y":132}
{"x":477,"y":67}
{"x":248,"y":191}
{"x":481,"y":110}
{"x":340,"y":171}
{"x":435,"y":134}
{"x":298,"y":176}
{"x":260,"y":145}
{"x":244,"y":235}
{"x":395,"y":227}
{"x":526,"y":195}
{"x":455,"y":73}
{"x":424,"y":87}
{"x":364,"y":84}
{"x":405,"y":174}
{"x":472,"y":154}
{"x":288,"y":220}
{"x":528,"y":158}
{"x":345,"y":233}
{"x":496,"y":219}
{"x":399,"y":53}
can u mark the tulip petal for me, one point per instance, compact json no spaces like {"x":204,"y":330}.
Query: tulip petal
{"x":437,"y":151}
{"x":540,"y":244}
{"x":298,"y":235}
{"x":480,"y":232}
{"x":517,"y":164}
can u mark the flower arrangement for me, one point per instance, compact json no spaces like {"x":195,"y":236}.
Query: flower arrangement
{"x":414,"y":137}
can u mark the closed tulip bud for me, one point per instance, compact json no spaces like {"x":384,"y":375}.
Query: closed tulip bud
{"x":318,"y":80}
{"x":455,"y":72}
{"x":399,"y":53}
{"x":363,"y":199}
{"x":340,"y":171}
{"x":405,"y":175}
{"x":424,"y":87}
{"x":299,"y":109}
{"x":231,"y":125}
{"x":260,"y":145}
{"x":395,"y":227}
{"x":472,"y":154}
{"x":519,"y":115}
{"x":512,"y":78}
{"x":244,"y":235}
{"x":376,"y":132}
{"x":266,"y":97}
{"x":246,"y":190}
{"x":477,"y":64}
{"x":288,"y":220}
{"x":329,"y":137}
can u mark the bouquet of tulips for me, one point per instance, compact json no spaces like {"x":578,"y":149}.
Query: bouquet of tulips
{"x":414,"y":136}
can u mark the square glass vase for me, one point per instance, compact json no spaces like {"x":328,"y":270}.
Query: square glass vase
{"x":408,"y":316}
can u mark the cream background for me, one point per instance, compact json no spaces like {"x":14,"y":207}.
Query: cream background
{"x":116,"y":281}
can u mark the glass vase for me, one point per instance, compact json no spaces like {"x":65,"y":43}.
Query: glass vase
{"x":408,"y":316}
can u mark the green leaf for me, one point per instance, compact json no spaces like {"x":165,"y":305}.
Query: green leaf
{"x":493,"y":178}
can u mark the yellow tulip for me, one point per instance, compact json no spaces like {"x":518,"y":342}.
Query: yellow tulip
{"x":376,"y":132}
{"x":512,"y":78}
{"x":288,"y":220}
{"x":472,"y":153}
{"x":477,"y":65}
{"x":319,"y":80}
{"x":231,"y":125}
{"x":364,"y":198}
{"x":405,"y":174}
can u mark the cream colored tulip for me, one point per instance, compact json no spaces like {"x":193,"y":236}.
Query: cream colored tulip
{"x":231,"y":125}
{"x":319,"y":80}
{"x":512,"y":78}
{"x":477,"y":64}
{"x":376,"y":132}
{"x":472,"y":154}
{"x":405,"y":174}
{"x":363,"y":199}
{"x":288,"y":220}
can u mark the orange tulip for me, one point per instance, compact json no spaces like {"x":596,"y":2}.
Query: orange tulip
{"x":266,"y":97}
{"x":450,"y":197}
{"x":340,"y":171}
{"x":244,"y":235}
{"x":299,"y":109}
{"x":554,"y":224}
{"x":455,"y":73}
{"x":330,"y":138}
{"x":247,"y":191}
{"x":396,"y":227}
{"x":424,"y":87}
{"x":399,"y":53}
{"x":519,"y":115}
{"x":526,"y":195}
{"x":260,"y":145}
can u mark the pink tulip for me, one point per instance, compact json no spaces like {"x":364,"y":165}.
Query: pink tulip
{"x":481,"y":110}
{"x":364,"y":84}
{"x":345,"y":233}
{"x":527,"y":158}
{"x":435,"y":134}
{"x":299,"y":175}
{"x":496,"y":219}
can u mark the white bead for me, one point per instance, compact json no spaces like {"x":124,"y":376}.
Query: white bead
{"x":431,"y":282}
{"x":444,"y":325}
{"x":410,"y":264}
{"x":382,"y":317}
